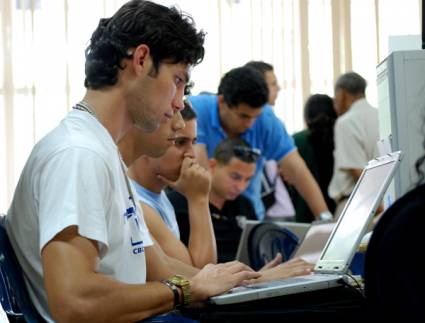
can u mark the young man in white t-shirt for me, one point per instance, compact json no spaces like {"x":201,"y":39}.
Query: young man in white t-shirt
{"x":74,"y":222}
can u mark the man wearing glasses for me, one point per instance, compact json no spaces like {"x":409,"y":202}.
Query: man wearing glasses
{"x":237,"y":111}
{"x":232,"y":167}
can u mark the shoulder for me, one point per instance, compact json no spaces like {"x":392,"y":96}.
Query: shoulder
{"x":301,"y":136}
{"x":267,"y":115}
{"x":78,"y":131}
{"x":203,"y":102}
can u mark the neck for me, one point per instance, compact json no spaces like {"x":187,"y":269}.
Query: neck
{"x":216,"y":200}
{"x":142,"y":173}
{"x":110,"y":109}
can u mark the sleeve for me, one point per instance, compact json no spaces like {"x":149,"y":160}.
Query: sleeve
{"x":277,"y":142}
{"x":74,"y":189}
{"x":349,"y":149}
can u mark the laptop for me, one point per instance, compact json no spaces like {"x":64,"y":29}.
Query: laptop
{"x":331,"y":268}
{"x":311,"y":247}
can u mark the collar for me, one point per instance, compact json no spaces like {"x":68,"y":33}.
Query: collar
{"x":359,"y":103}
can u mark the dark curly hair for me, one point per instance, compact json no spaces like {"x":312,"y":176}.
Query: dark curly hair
{"x":244,"y":85}
{"x":169,"y":33}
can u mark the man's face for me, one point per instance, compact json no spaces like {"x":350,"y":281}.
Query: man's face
{"x":340,"y":103}
{"x":239,"y":118}
{"x":170,"y":163}
{"x":156,"y":143}
{"x":155,"y":95}
{"x":229,"y":181}
{"x":273,"y":86}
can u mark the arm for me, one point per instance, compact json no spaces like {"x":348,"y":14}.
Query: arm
{"x":356,"y":173}
{"x":82,"y":296}
{"x":162,"y":265}
{"x":172,"y":246}
{"x":194,"y":183}
{"x":88,"y":296}
{"x":295,"y":171}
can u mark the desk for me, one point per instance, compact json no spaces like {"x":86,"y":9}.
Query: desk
{"x":342,"y":304}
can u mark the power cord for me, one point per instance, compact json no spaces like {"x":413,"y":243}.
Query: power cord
{"x":356,"y":287}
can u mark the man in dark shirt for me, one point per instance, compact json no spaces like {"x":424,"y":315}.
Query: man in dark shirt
{"x":232,"y":167}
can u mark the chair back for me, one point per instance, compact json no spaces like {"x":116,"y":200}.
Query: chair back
{"x":266,"y":240}
{"x":14,"y":296}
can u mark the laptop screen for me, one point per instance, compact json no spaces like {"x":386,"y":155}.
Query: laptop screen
{"x":314,"y":241}
{"x":357,"y":212}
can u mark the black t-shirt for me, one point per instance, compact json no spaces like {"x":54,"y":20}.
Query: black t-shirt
{"x":394,"y":270}
{"x":226,"y":229}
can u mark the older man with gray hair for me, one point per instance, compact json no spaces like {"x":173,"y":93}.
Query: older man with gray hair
{"x":356,"y":135}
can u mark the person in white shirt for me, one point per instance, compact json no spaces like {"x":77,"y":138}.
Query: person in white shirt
{"x":356,"y":135}
{"x":74,"y":222}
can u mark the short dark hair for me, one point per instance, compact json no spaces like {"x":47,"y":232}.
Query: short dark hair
{"x":260,"y":66}
{"x":169,"y":33}
{"x":188,"y":113}
{"x":351,"y":82}
{"x":235,"y":147}
{"x":244,"y":85}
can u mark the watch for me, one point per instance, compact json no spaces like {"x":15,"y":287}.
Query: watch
{"x":325,"y":216}
{"x":184,"y":285}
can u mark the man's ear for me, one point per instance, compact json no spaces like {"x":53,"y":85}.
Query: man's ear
{"x":141,"y":58}
{"x":221,"y":101}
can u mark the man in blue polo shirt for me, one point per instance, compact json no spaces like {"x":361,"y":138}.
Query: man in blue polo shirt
{"x":238,"y":110}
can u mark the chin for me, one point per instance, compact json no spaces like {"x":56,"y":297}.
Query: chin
{"x":232,"y":197}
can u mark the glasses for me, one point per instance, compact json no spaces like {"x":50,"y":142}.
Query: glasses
{"x":245,"y":152}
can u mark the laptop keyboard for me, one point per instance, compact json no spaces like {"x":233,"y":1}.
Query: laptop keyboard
{"x":282,"y":282}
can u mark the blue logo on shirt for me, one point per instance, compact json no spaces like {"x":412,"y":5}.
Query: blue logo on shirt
{"x":135,"y":239}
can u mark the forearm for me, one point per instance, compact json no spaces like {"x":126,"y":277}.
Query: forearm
{"x":125,"y":303}
{"x":356,"y":173}
{"x":202,"y":244}
{"x":77,"y":294}
{"x":161,"y":266}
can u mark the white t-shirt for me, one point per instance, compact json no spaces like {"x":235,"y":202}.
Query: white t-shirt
{"x":356,"y":135}
{"x":3,"y":316}
{"x":74,"y":176}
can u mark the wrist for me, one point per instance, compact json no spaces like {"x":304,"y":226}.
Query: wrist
{"x":325,"y":216}
{"x":197,"y":294}
{"x":184,"y":289}
{"x":198,"y":203}
{"x":175,"y":291}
